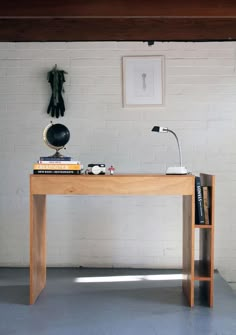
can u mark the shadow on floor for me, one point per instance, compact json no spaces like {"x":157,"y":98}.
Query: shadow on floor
{"x":14,"y":294}
{"x":19,"y":294}
{"x":164,"y":295}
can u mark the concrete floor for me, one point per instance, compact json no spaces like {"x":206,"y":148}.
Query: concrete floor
{"x":233,"y":285}
{"x":117,"y":308}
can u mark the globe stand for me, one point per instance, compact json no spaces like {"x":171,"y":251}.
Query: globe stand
{"x":57,"y":154}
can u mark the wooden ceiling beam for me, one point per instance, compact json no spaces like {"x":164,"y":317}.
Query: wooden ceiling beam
{"x":118,"y":20}
{"x":204,"y":8}
{"x":117,"y":29}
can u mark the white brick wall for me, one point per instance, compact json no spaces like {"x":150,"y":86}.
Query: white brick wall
{"x":200,"y":105}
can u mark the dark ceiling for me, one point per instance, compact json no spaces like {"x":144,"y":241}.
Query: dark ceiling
{"x":118,"y":20}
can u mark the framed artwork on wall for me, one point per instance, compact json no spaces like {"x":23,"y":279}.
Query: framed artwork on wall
{"x":143,"y":81}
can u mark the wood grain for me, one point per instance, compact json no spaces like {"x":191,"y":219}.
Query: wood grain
{"x":139,"y":184}
{"x":116,"y":184}
{"x":119,"y":20}
{"x":200,"y":8}
{"x":206,"y":241}
{"x":188,"y":246}
{"x":37,"y":245}
{"x":117,"y":29}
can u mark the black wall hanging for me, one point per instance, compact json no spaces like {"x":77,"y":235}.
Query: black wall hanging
{"x":56,"y":78}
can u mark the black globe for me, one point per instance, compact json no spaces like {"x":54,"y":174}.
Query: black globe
{"x":58,"y":135}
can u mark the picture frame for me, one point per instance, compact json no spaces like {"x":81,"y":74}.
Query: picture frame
{"x":143,"y":78}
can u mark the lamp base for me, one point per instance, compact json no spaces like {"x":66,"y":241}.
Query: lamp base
{"x":176,"y":170}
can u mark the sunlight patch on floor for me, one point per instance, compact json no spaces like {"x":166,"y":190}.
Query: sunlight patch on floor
{"x":109,"y":279}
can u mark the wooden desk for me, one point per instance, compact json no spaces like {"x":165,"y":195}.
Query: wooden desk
{"x":135,"y":184}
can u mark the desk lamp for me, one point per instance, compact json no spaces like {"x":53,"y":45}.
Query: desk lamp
{"x":172,"y":169}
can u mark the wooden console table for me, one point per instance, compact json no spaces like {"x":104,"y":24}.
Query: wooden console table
{"x":201,"y":270}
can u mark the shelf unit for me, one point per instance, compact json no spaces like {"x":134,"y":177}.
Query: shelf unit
{"x":204,"y":266}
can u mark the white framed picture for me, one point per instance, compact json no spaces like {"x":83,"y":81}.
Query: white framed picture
{"x":142,"y":80}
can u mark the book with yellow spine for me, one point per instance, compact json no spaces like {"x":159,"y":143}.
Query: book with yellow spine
{"x":57,"y":167}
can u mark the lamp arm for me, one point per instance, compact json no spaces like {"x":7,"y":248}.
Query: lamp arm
{"x":180,"y":153}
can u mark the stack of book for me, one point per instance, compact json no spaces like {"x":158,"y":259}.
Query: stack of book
{"x":57,"y":165}
{"x":202,"y":201}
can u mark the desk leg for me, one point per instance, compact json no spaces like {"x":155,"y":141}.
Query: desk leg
{"x":188,"y":248}
{"x":37,"y":245}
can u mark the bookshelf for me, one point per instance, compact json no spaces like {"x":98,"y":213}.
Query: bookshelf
{"x":204,"y":266}
{"x":194,"y":270}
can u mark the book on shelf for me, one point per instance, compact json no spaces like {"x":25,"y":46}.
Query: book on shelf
{"x":57,"y":172}
{"x":206,"y":204}
{"x":57,"y":167}
{"x":58,"y":162}
{"x":53,"y":158}
{"x":199,"y":209}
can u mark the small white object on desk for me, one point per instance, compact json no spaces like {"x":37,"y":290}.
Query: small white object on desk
{"x":111,"y":169}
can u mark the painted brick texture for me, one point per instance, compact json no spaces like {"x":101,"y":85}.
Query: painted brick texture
{"x":200,"y":105}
